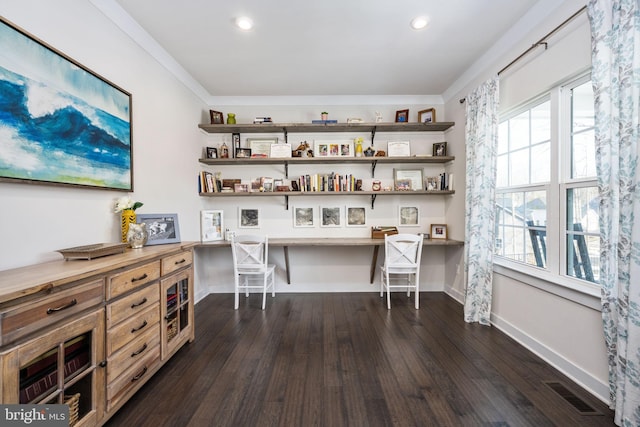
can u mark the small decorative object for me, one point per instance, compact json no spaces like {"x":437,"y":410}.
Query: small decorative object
{"x":90,"y":252}
{"x":231,"y":118}
{"x":137,"y":235}
{"x":380,"y":153}
{"x":376,"y":185}
{"x":358,"y":142}
{"x":354,"y":120}
{"x":378,"y":117}
{"x":438,"y":231}
{"x":224,"y":151}
{"x":127,"y":209}
{"x":324,"y":115}
{"x":303,"y":150}
{"x":216,"y":117}
{"x":369,"y":152}
{"x":427,"y":116}
{"x":402,"y":116}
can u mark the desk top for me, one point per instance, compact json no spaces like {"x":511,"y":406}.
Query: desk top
{"x":332,"y":241}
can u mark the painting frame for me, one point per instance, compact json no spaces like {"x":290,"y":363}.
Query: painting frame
{"x":427,"y":116}
{"x":162,"y":228}
{"x":402,"y":116}
{"x":212,"y":225}
{"x":248,"y":217}
{"x":73,"y":112}
{"x":304,"y":217}
{"x":216,"y":117}
{"x":409,"y":216}
{"x":331,"y":216}
{"x":355,"y":216}
{"x":440,"y":149}
{"x":414,"y":177}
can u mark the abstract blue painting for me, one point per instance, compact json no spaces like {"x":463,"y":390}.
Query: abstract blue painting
{"x":60,"y":123}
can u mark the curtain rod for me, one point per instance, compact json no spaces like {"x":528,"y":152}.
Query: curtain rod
{"x":541,"y":42}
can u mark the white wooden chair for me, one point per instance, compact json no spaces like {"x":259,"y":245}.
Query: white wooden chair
{"x":250,"y":267}
{"x":403,"y":253}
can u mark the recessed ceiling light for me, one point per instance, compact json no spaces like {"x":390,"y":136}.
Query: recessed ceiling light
{"x":419,"y":22}
{"x":244,"y":23}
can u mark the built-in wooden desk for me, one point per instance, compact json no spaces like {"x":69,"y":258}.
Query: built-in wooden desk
{"x":286,"y":242}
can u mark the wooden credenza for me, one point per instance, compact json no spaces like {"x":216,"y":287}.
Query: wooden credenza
{"x":90,"y":333}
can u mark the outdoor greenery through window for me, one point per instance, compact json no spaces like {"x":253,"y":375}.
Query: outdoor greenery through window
{"x":544,"y":176}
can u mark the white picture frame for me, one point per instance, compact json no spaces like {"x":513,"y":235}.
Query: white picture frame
{"x":261,"y":147}
{"x":409,"y":216}
{"x":355,"y":216}
{"x":337,"y":148}
{"x":413,"y":176}
{"x":398,"y":149}
{"x":304,"y":216}
{"x":248,"y":218}
{"x":331,"y":216}
{"x":280,"y":151}
{"x":211,"y":225}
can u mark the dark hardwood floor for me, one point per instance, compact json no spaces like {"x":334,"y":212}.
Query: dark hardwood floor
{"x":345,"y":360}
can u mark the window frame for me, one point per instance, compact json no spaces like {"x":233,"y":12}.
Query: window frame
{"x":553,"y":278}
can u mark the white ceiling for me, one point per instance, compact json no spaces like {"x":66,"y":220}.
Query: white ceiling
{"x":322,"y":47}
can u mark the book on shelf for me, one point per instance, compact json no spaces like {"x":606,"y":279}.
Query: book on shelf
{"x":320,"y":122}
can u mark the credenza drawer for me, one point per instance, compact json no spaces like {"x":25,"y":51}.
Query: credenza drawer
{"x":132,"y":352}
{"x":25,"y":318}
{"x":175,"y":262}
{"x":132,"y":304}
{"x":128,"y":330}
{"x":135,"y":375}
{"x":121,"y":283}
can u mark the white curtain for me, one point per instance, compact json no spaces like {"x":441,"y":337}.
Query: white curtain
{"x":481,"y":143}
{"x":615,"y":40}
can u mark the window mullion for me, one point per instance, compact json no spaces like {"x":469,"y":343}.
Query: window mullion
{"x":553,"y":191}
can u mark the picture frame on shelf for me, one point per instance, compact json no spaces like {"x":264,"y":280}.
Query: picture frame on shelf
{"x":330,"y":216}
{"x":402,"y":116}
{"x":239,"y":187}
{"x":216,"y":117}
{"x":235,"y":141}
{"x":280,"y":151}
{"x":411,"y":176}
{"x":439,"y":231}
{"x":261,"y":147}
{"x":243,"y":153}
{"x":334,"y":148}
{"x":80,"y":133}
{"x":432,"y":183}
{"x":356,"y":216}
{"x":248,"y":217}
{"x":161,"y":228}
{"x":427,"y":116}
{"x":211,"y":152}
{"x":409,"y":216}
{"x":211,"y":225}
{"x":398,"y":149}
{"x":439,"y":149}
{"x":303,"y":216}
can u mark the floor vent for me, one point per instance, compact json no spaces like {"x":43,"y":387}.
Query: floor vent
{"x":583,"y":407}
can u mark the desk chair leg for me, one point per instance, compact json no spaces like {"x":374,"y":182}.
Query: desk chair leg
{"x":264,"y":292}
{"x":236,"y":303}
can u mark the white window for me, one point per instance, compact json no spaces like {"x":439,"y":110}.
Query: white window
{"x":546,"y":172}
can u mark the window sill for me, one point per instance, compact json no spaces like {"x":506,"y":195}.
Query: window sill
{"x":575,"y":290}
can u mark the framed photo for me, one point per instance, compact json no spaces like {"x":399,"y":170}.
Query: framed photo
{"x":261,"y":147}
{"x":240,"y":188}
{"x":409,"y":216}
{"x":438,"y":231}
{"x":432,"y":183}
{"x":402,"y":116}
{"x":235,"y":142}
{"x":398,"y":149}
{"x":412,"y":177}
{"x":280,"y":151}
{"x":331,"y":216}
{"x":243,"y":153}
{"x":212,"y":153}
{"x":334,"y":148}
{"x":62,"y":124}
{"x":211,"y":226}
{"x":217,"y":118}
{"x":162,"y":228}
{"x":356,"y":216}
{"x":427,"y":116}
{"x":440,"y":149}
{"x":303,"y":216}
{"x":248,"y":218}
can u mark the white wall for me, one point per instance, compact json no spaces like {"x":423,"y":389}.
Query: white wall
{"x":565,"y":331}
{"x":35,"y":220}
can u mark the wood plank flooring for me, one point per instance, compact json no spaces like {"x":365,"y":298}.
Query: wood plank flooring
{"x":343,"y":359}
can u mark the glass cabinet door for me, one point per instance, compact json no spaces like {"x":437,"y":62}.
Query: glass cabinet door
{"x":177,"y":311}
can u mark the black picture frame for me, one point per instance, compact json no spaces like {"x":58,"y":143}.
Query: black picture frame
{"x":439,"y":149}
{"x":212,"y":152}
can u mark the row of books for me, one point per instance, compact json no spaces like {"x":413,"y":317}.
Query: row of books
{"x":207,"y":183}
{"x":327,"y":182}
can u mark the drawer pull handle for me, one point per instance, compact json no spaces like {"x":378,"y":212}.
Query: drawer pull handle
{"x":135,"y":279}
{"x":62,"y":307}
{"x":135,"y":353}
{"x":139,"y":327}
{"x":137,"y":377}
{"x":138,"y":304}
{"x":181,"y":261}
